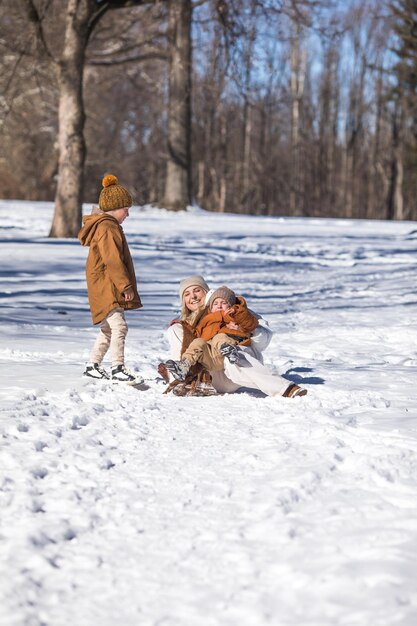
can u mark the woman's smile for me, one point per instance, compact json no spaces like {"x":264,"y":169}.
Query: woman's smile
{"x":193,"y":296}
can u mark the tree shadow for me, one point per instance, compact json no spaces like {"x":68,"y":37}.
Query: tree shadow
{"x":294,"y":375}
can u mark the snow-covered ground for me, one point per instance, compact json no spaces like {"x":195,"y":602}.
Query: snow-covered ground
{"x":129,"y":507}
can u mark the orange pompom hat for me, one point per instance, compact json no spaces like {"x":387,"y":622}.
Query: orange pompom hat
{"x":113,"y":196}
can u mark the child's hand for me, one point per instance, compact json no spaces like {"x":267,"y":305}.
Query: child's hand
{"x":228,"y":314}
{"x":129,"y":294}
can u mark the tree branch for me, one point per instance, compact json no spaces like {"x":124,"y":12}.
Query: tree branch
{"x":127,"y":48}
{"x":36,"y":20}
{"x":140,"y":57}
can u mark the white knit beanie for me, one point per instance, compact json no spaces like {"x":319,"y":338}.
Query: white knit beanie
{"x":193,"y":281}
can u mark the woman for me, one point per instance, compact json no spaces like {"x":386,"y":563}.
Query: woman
{"x":193,"y":291}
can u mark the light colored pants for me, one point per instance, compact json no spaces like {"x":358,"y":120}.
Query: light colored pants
{"x":113,"y":331}
{"x":254,"y":375}
{"x":208,"y":352}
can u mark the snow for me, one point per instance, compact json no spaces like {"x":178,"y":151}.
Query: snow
{"x":132,"y":507}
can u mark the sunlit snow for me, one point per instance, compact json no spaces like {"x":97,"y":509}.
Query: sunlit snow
{"x":134,"y":508}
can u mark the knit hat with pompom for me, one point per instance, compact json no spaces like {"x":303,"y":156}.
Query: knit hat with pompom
{"x":113,"y":196}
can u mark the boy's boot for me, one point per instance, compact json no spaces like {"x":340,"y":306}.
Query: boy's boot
{"x":233,"y":354}
{"x":94,"y":370}
{"x":179,"y":369}
{"x":120,"y":374}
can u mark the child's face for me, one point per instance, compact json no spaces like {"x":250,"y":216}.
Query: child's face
{"x":121,"y":214}
{"x":219,"y":304}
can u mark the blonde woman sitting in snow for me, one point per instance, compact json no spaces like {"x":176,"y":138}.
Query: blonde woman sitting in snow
{"x":231,"y":366}
{"x":227,"y":323}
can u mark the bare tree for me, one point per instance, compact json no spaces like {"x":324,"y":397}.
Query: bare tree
{"x":395,"y":205}
{"x":178,"y":177}
{"x":404,"y":115}
{"x":297,"y":82}
{"x":81,"y":17}
{"x":68,"y":64}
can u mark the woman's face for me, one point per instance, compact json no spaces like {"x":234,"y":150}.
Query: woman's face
{"x":194,"y":297}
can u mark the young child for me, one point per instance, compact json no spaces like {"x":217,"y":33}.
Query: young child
{"x":111,"y":280}
{"x":227,"y":324}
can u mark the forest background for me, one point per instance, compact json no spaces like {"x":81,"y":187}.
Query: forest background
{"x":269,"y":107}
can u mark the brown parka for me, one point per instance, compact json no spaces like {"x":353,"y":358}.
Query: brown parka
{"x":109,"y":270}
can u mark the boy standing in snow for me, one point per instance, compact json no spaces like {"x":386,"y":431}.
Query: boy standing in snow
{"x":111,"y":280}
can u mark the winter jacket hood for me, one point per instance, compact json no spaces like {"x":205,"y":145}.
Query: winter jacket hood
{"x":90,"y":224}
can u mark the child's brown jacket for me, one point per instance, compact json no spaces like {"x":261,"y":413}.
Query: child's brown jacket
{"x":109,"y":269}
{"x":214,"y":323}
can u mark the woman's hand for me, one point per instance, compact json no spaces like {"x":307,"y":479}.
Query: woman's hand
{"x":232,"y":326}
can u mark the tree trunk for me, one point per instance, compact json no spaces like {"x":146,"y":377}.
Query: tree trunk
{"x":374,"y":178}
{"x":298,"y":70}
{"x":395,"y":209}
{"x":348,"y":182}
{"x":247,"y":117}
{"x":201,"y":182}
{"x":247,"y":131}
{"x":224,"y":166}
{"x":178,"y":178}
{"x":327,"y":193}
{"x":71,"y":145}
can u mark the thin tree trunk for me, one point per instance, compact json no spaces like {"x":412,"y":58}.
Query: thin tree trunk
{"x":247,"y":122}
{"x":398,"y":192}
{"x":224,"y":168}
{"x":374,"y":174}
{"x":331,"y":186}
{"x":178,"y":179}
{"x":395,"y":209}
{"x":247,"y":130}
{"x":298,"y":68}
{"x":201,"y":183}
{"x":348,"y":169}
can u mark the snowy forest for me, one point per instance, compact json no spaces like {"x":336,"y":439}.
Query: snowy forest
{"x":268,"y":107}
